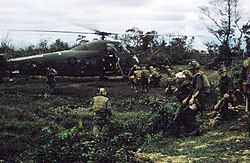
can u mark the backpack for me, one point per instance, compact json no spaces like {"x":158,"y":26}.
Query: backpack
{"x":205,"y":83}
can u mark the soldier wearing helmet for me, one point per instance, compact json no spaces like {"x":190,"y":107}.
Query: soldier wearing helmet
{"x":102,"y":110}
{"x":245,"y":81}
{"x":51,"y":80}
{"x":169,"y":71}
{"x":137,"y":78}
{"x":200,"y":83}
{"x":225,"y":88}
{"x":131,"y":76}
{"x":132,"y":69}
{"x":195,"y":100}
{"x":246,"y":76}
{"x":155,"y":77}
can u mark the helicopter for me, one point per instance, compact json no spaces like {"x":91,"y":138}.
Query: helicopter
{"x":96,"y":58}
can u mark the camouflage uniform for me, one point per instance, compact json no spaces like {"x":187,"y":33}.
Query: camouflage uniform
{"x":102,"y":110}
{"x":51,"y":80}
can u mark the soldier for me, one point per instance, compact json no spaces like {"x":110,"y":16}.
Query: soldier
{"x":196,"y":100}
{"x":183,"y":118}
{"x":102,"y":111}
{"x":155,"y":77}
{"x":131,"y":76}
{"x":168,"y":71}
{"x":201,"y":85}
{"x":245,"y":80}
{"x":51,"y":80}
{"x":145,"y":79}
{"x":225,"y":88}
{"x":137,"y":78}
{"x":132,"y":70}
{"x":170,"y":82}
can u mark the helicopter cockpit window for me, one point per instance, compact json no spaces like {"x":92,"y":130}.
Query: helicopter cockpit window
{"x":81,"y":47}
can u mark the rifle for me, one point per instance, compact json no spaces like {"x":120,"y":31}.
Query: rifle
{"x":219,"y":103}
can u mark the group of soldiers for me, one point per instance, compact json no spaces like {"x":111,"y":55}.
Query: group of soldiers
{"x":192,"y":90}
{"x":141,"y":78}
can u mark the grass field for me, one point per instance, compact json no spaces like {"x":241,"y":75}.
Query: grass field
{"x":27,"y":111}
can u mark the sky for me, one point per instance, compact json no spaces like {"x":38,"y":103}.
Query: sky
{"x":165,"y":16}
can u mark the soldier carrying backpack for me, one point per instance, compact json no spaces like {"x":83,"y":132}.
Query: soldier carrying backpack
{"x":201,"y":85}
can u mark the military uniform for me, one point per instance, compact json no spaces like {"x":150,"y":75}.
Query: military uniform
{"x":131,"y":71}
{"x":225,"y":88}
{"x":201,"y":85}
{"x":145,"y":79}
{"x":195,"y":101}
{"x":102,"y":110}
{"x":181,"y":119}
{"x":137,"y":79}
{"x":245,"y":80}
{"x":155,"y":77}
{"x":168,"y":71}
{"x":51,"y":80}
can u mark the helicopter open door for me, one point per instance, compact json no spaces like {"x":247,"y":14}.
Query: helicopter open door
{"x":110,"y":61}
{"x":3,"y":66}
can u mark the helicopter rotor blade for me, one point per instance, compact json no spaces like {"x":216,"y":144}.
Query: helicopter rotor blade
{"x":53,"y":31}
{"x":97,"y":31}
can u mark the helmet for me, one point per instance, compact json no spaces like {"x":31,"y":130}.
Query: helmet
{"x":187,"y":73}
{"x":102,"y":91}
{"x":137,"y":67}
{"x":246,"y":62}
{"x":222,"y":69}
{"x":193,"y":65}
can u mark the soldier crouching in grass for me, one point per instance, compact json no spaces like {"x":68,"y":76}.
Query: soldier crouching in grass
{"x":225,"y":88}
{"x":102,"y":111}
{"x":195,"y":102}
{"x":183,"y":91}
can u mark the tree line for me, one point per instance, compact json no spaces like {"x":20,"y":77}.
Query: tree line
{"x":222,"y":18}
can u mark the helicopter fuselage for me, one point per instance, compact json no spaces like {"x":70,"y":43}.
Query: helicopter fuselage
{"x":98,"y":58}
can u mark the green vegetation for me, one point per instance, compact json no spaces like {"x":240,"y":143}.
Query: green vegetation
{"x":58,"y":128}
